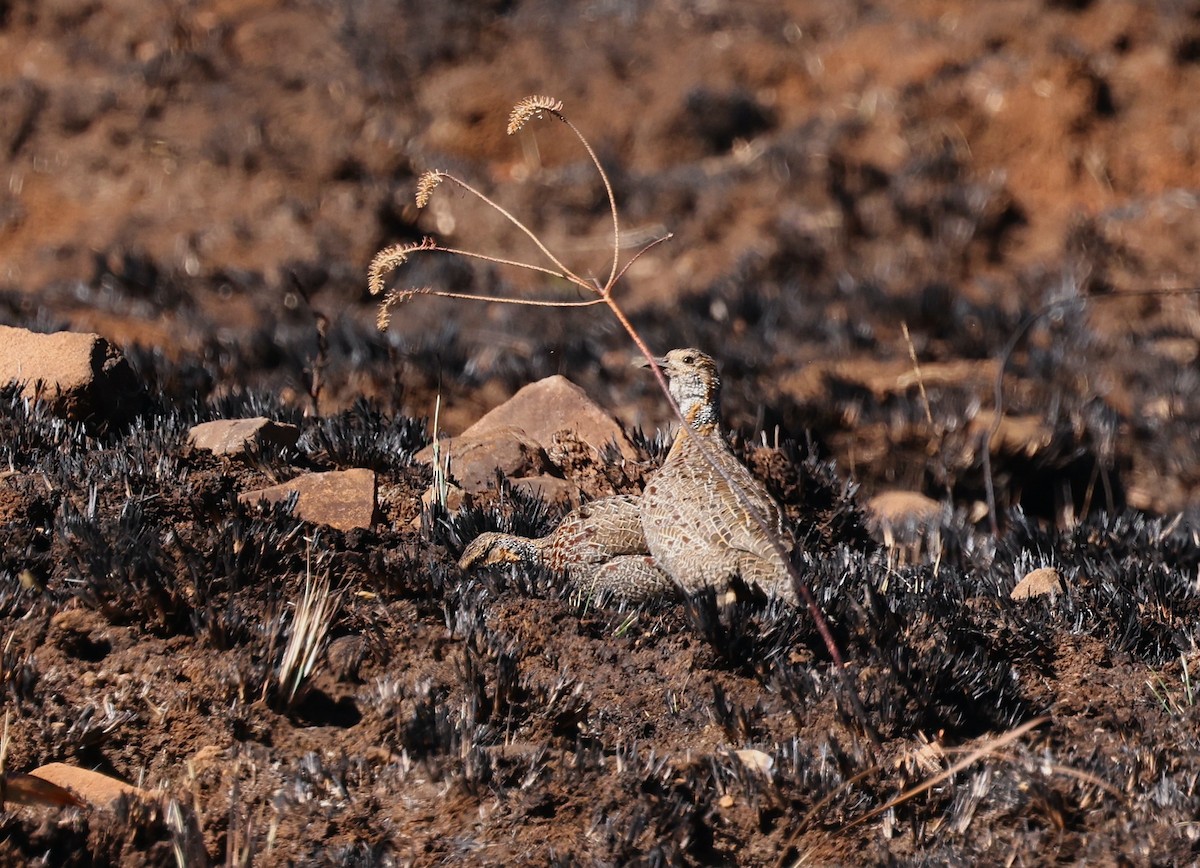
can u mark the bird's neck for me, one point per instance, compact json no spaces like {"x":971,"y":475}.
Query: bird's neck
{"x":703,"y":418}
{"x":702,"y":414}
{"x":523,"y":549}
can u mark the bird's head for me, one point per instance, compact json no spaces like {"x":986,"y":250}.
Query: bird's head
{"x":486,"y":550}
{"x":695,"y":384}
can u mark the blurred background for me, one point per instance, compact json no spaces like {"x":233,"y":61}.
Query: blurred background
{"x":204,"y":183}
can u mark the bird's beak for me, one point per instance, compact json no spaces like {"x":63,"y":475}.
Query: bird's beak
{"x":640,"y":362}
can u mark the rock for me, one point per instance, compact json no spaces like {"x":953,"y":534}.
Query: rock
{"x":516,"y":436}
{"x":93,"y":788}
{"x":475,"y":458}
{"x":756,"y":760}
{"x":1024,"y":436}
{"x":30,"y":790}
{"x":237,"y":436}
{"x":1045,"y":581}
{"x":455,"y":498}
{"x":80,"y":376}
{"x":550,"y":488}
{"x":551,"y":405}
{"x":899,"y":508}
{"x":906,"y":521}
{"x":341,"y":499}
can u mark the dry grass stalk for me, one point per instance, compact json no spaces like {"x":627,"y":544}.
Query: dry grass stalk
{"x":991,"y":747}
{"x":912,"y":355}
{"x":426,"y":185}
{"x":441,"y":463}
{"x":533,"y":107}
{"x":315,"y":611}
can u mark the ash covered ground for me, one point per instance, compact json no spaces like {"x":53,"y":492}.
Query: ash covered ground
{"x":204,"y":184}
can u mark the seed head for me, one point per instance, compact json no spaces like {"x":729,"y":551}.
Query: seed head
{"x":383,"y":318}
{"x":532,"y":107}
{"x":391,"y":258}
{"x":426,"y":185}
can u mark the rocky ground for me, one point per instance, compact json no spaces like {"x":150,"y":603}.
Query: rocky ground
{"x":938,"y":247}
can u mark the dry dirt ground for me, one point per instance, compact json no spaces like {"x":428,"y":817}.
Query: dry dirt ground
{"x":204,"y":182}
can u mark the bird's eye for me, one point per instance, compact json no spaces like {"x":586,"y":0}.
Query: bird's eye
{"x":687,"y":360}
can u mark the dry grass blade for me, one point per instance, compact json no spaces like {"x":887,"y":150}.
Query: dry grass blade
{"x":315,"y":611}
{"x":390,"y":258}
{"x":533,"y":107}
{"x":529,"y":233}
{"x":988,"y":748}
{"x":970,"y":755}
{"x":912,"y":355}
{"x":383,"y":317}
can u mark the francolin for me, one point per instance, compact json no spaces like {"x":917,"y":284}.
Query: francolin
{"x":696,"y":510}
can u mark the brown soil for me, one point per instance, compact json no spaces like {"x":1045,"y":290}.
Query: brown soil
{"x":204,"y":183}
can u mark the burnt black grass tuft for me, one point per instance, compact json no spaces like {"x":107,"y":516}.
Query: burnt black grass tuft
{"x":1131,"y":579}
{"x":18,"y":674}
{"x":513,"y":510}
{"x":750,"y":635}
{"x":364,"y":436}
{"x":121,"y":567}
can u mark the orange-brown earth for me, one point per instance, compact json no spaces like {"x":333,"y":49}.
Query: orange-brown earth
{"x":204,"y":183}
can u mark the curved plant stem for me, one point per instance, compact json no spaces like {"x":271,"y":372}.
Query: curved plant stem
{"x":612,"y":202}
{"x":504,"y":212}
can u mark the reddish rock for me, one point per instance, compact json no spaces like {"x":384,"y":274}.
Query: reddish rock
{"x":543,"y":408}
{"x":341,"y":499}
{"x":907,"y":522}
{"x":93,"y":788}
{"x":475,"y":458}
{"x":80,"y":376}
{"x":236,"y":436}
{"x":516,"y":436}
{"x":1043,"y":582}
{"x":1014,"y":435}
{"x":756,"y":761}
{"x":550,"y":488}
{"x":892,"y":512}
